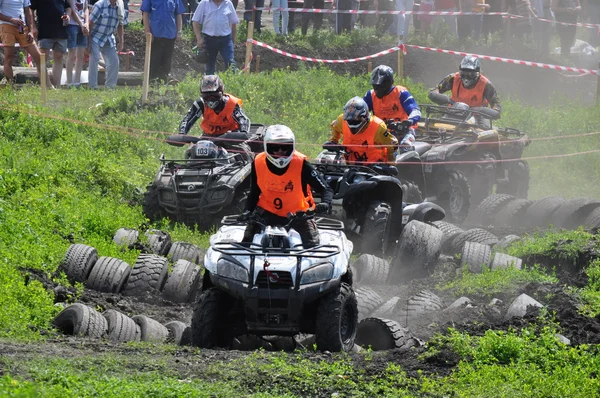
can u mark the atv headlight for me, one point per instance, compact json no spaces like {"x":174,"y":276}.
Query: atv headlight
{"x":319,"y":273}
{"x":228,"y":269}
{"x":359,"y":178}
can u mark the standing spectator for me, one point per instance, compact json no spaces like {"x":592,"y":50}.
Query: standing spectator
{"x":215,"y":26}
{"x":385,"y":21}
{"x":105,"y":19}
{"x":566,"y":11}
{"x":249,"y":4}
{"x":162,"y":18}
{"x":592,"y":10}
{"x":479,"y":7}
{"x":77,"y":41}
{"x":14,"y":29}
{"x":425,"y":20}
{"x":522,"y":26}
{"x":52,"y":20}
{"x":464,"y":23}
{"x":447,"y":6}
{"x":316,"y":17}
{"x":403,"y":19}
{"x":277,"y":4}
{"x":292,"y":18}
{"x":493,"y":23}
{"x":343,"y":22}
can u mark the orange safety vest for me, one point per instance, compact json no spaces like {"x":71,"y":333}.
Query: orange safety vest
{"x":217,"y":124}
{"x":282,"y":194}
{"x":362,"y":145}
{"x":470,"y":96}
{"x":389,"y":107}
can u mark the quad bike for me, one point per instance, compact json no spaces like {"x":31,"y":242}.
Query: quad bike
{"x":274,"y":286}
{"x":369,"y":199}
{"x":207,"y":184}
{"x":458,"y":148}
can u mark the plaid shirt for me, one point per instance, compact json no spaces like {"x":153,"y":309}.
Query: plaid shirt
{"x":105,"y":18}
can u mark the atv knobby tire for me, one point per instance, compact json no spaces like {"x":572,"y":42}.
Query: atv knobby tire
{"x":539,"y":214}
{"x":375,"y":231}
{"x":371,"y":270}
{"x":183,"y":282}
{"x":148,"y":275}
{"x":81,"y":320}
{"x":512,"y":214}
{"x":121,"y":328}
{"x":109,"y":275}
{"x":384,"y":334}
{"x":337,"y":320}
{"x":484,"y":214}
{"x":150,"y":205}
{"x":476,"y":256}
{"x":185,"y":251}
{"x":79,"y":261}
{"x":477,"y":235}
{"x":151,"y":330}
{"x":457,"y":201}
{"x":176,"y":329}
{"x":367,"y":301}
{"x":159,"y":242}
{"x":126,"y":237}
{"x":213,"y":320}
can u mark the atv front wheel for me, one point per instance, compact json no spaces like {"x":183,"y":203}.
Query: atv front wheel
{"x":150,"y":205}
{"x":376,"y":228}
{"x":213,"y":320}
{"x":457,"y":200}
{"x":337,"y":320}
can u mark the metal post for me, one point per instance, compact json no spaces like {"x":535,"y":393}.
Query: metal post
{"x":146,"y":83}
{"x":249,"y":46}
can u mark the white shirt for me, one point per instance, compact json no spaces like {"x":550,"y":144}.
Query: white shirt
{"x":216,"y":20}
{"x":13,"y":8}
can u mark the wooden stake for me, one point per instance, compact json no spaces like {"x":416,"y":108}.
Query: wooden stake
{"x":400,"y":71}
{"x":43,"y":76}
{"x":127,"y":61}
{"x":257,"y":68}
{"x":146,"y":83}
{"x":370,"y":67}
{"x":249,"y":46}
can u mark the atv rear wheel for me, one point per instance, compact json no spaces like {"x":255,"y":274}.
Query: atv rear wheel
{"x":213,"y":320}
{"x":375,"y":233}
{"x":457,"y":200}
{"x":150,"y":206}
{"x":337,"y":320}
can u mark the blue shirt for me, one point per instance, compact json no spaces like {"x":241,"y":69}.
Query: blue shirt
{"x":406,"y":99}
{"x":216,"y":20}
{"x":106,"y":18}
{"x":162,"y":16}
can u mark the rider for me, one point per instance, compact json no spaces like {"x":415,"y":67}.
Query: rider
{"x":281,"y":182}
{"x":365,"y":137}
{"x":393,"y":104}
{"x":221,"y":112}
{"x":469,"y":86}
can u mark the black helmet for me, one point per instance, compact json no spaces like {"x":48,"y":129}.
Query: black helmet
{"x":382,"y":80}
{"x":470,"y":68}
{"x":356,"y":114}
{"x":211,"y":90}
{"x":205,"y":150}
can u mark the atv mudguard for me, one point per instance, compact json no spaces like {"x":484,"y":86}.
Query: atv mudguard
{"x":425,"y":212}
{"x":413,"y":171}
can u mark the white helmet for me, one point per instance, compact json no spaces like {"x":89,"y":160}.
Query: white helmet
{"x":280,"y":144}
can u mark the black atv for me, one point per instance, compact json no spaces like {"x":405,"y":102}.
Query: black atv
{"x":369,"y":200}
{"x":207,"y":184}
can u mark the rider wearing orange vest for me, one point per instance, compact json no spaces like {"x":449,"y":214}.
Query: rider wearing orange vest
{"x":220,"y":112}
{"x":365,"y":137}
{"x":281,"y":182}
{"x":469,"y":86}
{"x":395,"y":105}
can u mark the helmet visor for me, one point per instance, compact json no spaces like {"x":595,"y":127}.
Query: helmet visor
{"x":469,"y":77}
{"x":381,"y":90}
{"x":280,"y":149}
{"x":356,"y":125}
{"x":212,"y":100}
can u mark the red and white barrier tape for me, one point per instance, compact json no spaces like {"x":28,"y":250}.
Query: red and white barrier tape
{"x":247,"y":66}
{"x":128,"y":52}
{"x":374,"y":12}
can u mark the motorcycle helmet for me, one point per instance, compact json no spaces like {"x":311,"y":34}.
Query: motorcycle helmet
{"x":205,"y":150}
{"x":382,"y":80}
{"x":211,"y":90}
{"x":280,"y":144}
{"x":356,"y":114}
{"x":469,"y":70}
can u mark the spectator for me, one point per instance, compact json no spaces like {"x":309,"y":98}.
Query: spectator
{"x":105,"y":19}
{"x":522,"y":26}
{"x":162,"y":18}
{"x":277,"y":4}
{"x":493,"y":23}
{"x":77,"y":41}
{"x":292,"y":18}
{"x":385,"y":21}
{"x":566,"y":11}
{"x":592,"y":10}
{"x":249,"y":4}
{"x":479,"y":7}
{"x":403,"y":19}
{"x":215,"y":26}
{"x":14,"y":29}
{"x":425,"y":20}
{"x":52,"y":18}
{"x":446,"y":6}
{"x":343,"y":22}
{"x":470,"y":25}
{"x":546,"y":27}
{"x":316,"y":17}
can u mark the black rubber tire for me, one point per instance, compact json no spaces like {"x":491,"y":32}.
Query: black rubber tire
{"x":512,"y":213}
{"x":484,"y":213}
{"x":81,"y":320}
{"x":592,"y":221}
{"x":384,"y":334}
{"x":572,"y":214}
{"x":375,"y":232}
{"x":506,"y":241}
{"x":213,"y":321}
{"x":518,"y":180}
{"x":79,"y":261}
{"x":417,"y":253}
{"x":457,"y":202}
{"x":371,"y":270}
{"x":159,"y":242}
{"x":422,"y":303}
{"x":476,"y":256}
{"x":176,"y":330}
{"x":337,"y":320}
{"x":149,"y":274}
{"x":183,"y":282}
{"x":367,"y":301}
{"x":186,"y":337}
{"x":386,"y":309}
{"x":108,"y":275}
{"x":450,"y":232}
{"x":126,"y":237}
{"x":121,"y":328}
{"x":478,"y":235}
{"x":502,"y":261}
{"x":539,"y":214}
{"x":151,"y":330}
{"x":150,"y":205}
{"x":186,"y":251}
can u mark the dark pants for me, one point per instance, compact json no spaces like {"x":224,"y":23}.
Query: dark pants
{"x":257,"y":14}
{"x":215,"y":45}
{"x":160,"y":58}
{"x":492,"y":23}
{"x":464,"y":26}
{"x":566,"y":33}
{"x":317,"y":18}
{"x":385,"y":20}
{"x":343,"y":22}
{"x":292,"y":18}
{"x":306,"y":228}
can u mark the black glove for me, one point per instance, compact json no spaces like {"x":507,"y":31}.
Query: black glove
{"x":397,"y":127}
{"x":323,"y":208}
{"x":332,"y":146}
{"x":407,"y":123}
{"x":245,"y":216}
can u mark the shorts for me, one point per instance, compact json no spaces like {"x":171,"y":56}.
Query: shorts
{"x":75,"y":37}
{"x":11,"y":36}
{"x":59,"y":45}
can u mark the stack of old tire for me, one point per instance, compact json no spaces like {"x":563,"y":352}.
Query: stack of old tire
{"x":149,"y":275}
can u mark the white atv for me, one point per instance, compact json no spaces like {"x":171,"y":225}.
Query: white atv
{"x":273,"y":286}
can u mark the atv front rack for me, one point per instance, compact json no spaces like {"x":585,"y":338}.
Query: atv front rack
{"x":254,"y":249}
{"x":322,"y":222}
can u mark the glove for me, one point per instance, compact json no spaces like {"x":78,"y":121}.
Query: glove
{"x":407,"y":123}
{"x":245,"y":216}
{"x":331,"y":146}
{"x":323,"y":208}
{"x":407,"y":143}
